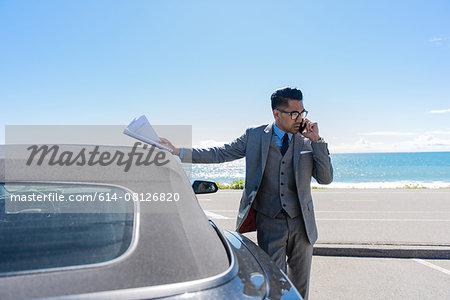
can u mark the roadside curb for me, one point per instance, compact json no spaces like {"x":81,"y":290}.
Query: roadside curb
{"x":387,"y":251}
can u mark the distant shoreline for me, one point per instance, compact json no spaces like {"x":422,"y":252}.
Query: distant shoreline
{"x":392,"y":152}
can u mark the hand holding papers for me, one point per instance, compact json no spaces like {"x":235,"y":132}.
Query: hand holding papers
{"x":142,"y":130}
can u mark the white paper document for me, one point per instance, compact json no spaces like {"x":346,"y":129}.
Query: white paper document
{"x":141,"y":129}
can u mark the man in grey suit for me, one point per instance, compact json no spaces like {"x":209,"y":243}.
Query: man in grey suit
{"x":280,"y":160}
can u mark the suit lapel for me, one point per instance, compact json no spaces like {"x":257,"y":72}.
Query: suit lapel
{"x":265,"y":143}
{"x":298,"y":146}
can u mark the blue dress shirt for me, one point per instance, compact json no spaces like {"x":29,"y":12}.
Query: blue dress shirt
{"x":278,"y":136}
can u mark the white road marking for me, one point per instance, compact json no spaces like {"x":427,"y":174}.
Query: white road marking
{"x":215,"y":216}
{"x":355,"y":200}
{"x":388,"y":220}
{"x":433,"y":266}
{"x":384,"y":211}
{"x":359,"y":211}
{"x":376,"y":191}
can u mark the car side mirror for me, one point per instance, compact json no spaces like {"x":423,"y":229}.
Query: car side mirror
{"x":204,"y":187}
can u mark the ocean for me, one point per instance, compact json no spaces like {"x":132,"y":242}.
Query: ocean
{"x":359,"y":170}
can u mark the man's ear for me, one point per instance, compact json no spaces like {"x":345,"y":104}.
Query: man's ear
{"x":276,"y":114}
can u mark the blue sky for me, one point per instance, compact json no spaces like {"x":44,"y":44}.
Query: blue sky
{"x":375,"y":75}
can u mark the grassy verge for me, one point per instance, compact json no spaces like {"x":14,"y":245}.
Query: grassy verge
{"x":412,"y":187}
{"x":234,"y":185}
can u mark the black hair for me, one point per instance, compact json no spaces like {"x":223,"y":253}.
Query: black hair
{"x":281,"y":96}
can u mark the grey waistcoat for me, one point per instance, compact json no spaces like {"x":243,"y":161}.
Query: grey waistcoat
{"x":277,"y":189}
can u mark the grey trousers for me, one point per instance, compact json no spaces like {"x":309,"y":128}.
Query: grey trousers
{"x":285,"y":240}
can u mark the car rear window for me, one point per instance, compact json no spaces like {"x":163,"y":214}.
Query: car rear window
{"x":69,"y":228}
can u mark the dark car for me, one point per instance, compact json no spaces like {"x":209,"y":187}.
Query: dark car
{"x":103,"y":222}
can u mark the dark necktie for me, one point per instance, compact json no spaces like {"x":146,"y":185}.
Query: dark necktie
{"x":285,"y":144}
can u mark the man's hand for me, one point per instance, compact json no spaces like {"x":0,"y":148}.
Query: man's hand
{"x":168,"y":144}
{"x":311,"y":131}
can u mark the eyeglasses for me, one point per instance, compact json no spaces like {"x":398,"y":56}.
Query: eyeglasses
{"x":295,"y":114}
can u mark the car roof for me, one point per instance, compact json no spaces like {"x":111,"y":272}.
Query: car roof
{"x":174,"y":241}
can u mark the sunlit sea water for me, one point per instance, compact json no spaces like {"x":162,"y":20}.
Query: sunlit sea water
{"x":361,"y":170}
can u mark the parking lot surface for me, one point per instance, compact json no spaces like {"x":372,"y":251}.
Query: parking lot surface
{"x":389,"y":218}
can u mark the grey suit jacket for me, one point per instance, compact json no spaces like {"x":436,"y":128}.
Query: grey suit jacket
{"x":310,"y":160}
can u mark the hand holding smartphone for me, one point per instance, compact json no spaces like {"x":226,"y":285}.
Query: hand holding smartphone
{"x":309,"y":130}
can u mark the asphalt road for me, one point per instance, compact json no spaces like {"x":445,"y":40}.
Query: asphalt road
{"x":379,"y":278}
{"x":380,"y":216}
{"x":395,"y":218}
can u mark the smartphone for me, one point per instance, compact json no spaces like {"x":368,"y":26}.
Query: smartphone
{"x":302,"y":127}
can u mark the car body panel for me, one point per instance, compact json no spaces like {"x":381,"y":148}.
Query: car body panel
{"x":175,"y":250}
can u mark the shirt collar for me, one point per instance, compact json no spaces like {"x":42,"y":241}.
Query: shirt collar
{"x":280,"y":133}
